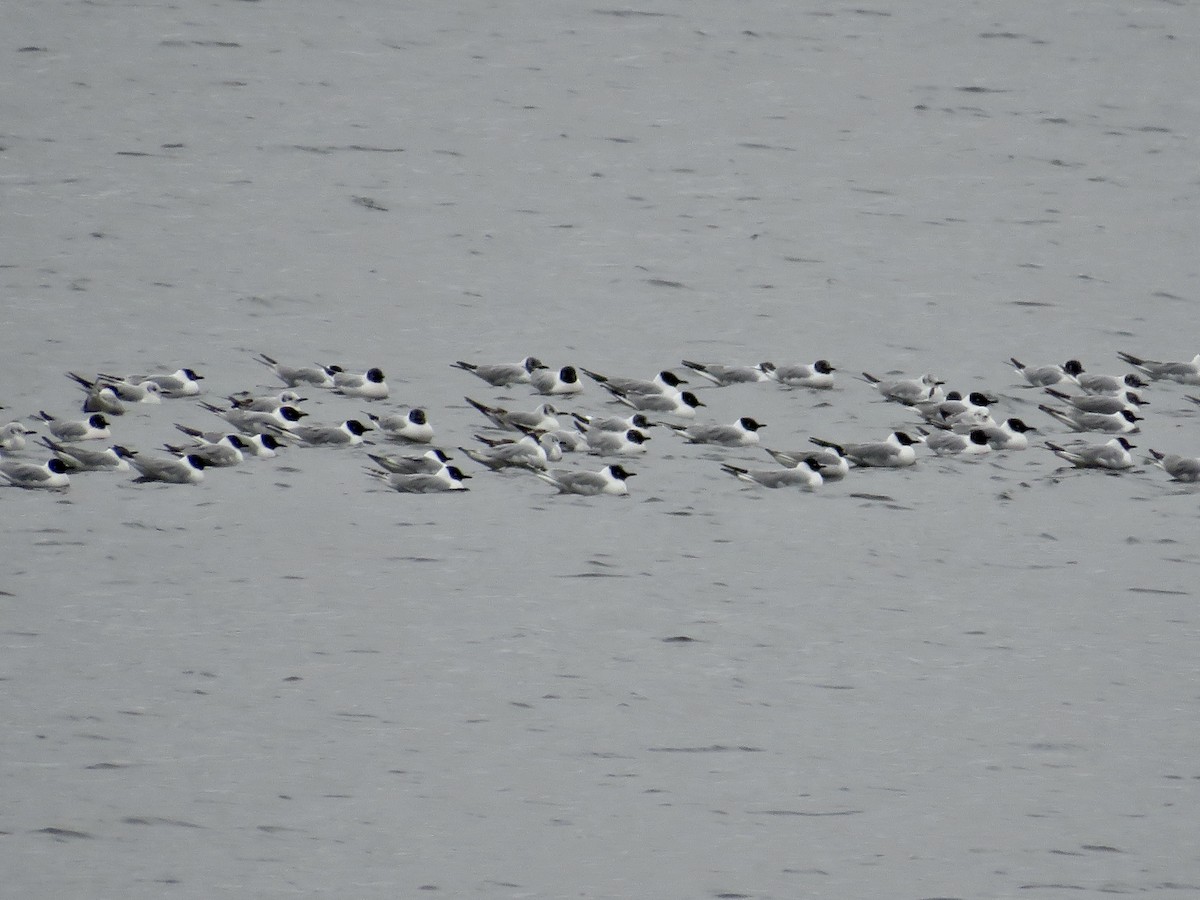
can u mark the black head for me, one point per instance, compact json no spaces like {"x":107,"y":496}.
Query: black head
{"x":636,"y":437}
{"x":1073,"y":367}
{"x":1135,"y":400}
{"x":813,"y":463}
{"x":375,"y":376}
{"x":191,"y":374}
{"x":823,"y":367}
{"x":236,"y":441}
{"x":1124,"y":443}
{"x":355,"y":427}
{"x":333,"y":370}
{"x":978,"y":437}
{"x":1019,"y":427}
{"x":123,"y":452}
{"x":98,"y":421}
{"x":1134,"y":382}
{"x":1130,"y":417}
{"x":417,"y":416}
{"x":568,"y":375}
{"x":620,"y":473}
{"x":750,"y":424}
{"x":456,"y":473}
{"x":439,"y":455}
{"x":670,"y":378}
{"x":980,"y":399}
{"x":955,"y":395}
{"x":268,"y":441}
{"x":767,"y":366}
{"x":291,"y":414}
{"x":690,"y":399}
{"x":905,"y":440}
{"x":532,"y":362}
{"x":57,"y":466}
{"x":196,"y":462}
{"x":639,"y":421}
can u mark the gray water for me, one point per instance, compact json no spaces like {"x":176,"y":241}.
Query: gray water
{"x":966,"y":679}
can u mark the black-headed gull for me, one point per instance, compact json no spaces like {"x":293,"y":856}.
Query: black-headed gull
{"x":502,"y":374}
{"x":896,"y":451}
{"x":51,"y":476}
{"x":805,"y":475}
{"x":609,"y":480}
{"x":1111,"y":455}
{"x":1181,"y":372}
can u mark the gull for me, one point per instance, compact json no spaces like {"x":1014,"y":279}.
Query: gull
{"x":555,"y":381}
{"x":368,"y":386}
{"x":93,"y":428}
{"x":1100,"y":403}
{"x":502,"y":374}
{"x":227,"y":451}
{"x":51,"y":476}
{"x":1008,"y":435}
{"x":426,"y":464}
{"x":346,"y":434}
{"x":1109,"y":384}
{"x":127,"y":391}
{"x":1048,"y":376}
{"x":907,"y":391}
{"x":447,"y":478}
{"x":1111,"y":455}
{"x":529,"y":452}
{"x":805,"y":475}
{"x":665,"y":382}
{"x":742,"y":433}
{"x":294,"y":376}
{"x":268,"y":403}
{"x":1181,"y":468}
{"x":101,"y":398}
{"x":817,"y":375}
{"x":1182,"y":372}
{"x":833,"y":463}
{"x":263,"y":445}
{"x":894,"y":452}
{"x":250,"y":421}
{"x":975,"y":405}
{"x":950,"y":443}
{"x":412,"y":426}
{"x":187,"y":469}
{"x":723,"y":376}
{"x":587,"y":424}
{"x":180,"y":383}
{"x":540,"y":419}
{"x":1123,"y":422}
{"x":81,"y":459}
{"x":609,"y":480}
{"x":12,"y":436}
{"x":617,"y":443}
{"x":683,"y":404}
{"x":260,"y":445}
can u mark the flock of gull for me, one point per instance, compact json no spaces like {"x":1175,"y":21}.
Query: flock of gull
{"x":1102,"y":409}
